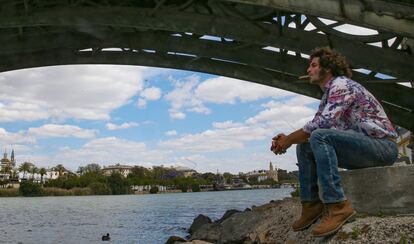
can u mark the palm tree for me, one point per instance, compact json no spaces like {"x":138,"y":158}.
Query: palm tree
{"x":34,"y":170}
{"x":25,"y":167}
{"x":60,"y":168}
{"x":6,"y":170}
{"x":42,"y":172}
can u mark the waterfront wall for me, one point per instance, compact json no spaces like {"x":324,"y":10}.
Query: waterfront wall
{"x":381,"y":190}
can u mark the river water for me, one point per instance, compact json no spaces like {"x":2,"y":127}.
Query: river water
{"x":128,"y":218}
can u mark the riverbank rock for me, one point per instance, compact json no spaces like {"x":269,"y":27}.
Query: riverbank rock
{"x":199,"y":221}
{"x":271,"y":223}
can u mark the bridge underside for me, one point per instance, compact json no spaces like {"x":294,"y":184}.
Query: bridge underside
{"x":266,"y":42}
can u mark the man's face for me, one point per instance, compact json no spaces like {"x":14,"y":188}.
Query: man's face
{"x":316,"y":74}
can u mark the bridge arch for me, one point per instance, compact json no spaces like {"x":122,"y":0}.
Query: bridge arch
{"x":266,"y":42}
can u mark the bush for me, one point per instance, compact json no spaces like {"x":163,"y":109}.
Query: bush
{"x":30,"y":189}
{"x":54,"y":191}
{"x":78,"y":191}
{"x":154,"y":189}
{"x":99,"y":188}
{"x":183,"y":187}
{"x":296,"y":192}
{"x":9,"y":192}
{"x":118,"y":184}
{"x":195,"y":188}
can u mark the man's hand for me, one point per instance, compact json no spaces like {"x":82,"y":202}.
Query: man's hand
{"x":280,"y":144}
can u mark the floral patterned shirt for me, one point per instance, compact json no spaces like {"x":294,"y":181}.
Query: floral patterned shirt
{"x":347,"y":105}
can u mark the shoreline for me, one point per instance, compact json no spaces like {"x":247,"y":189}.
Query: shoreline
{"x":271,"y":223}
{"x":58,"y":192}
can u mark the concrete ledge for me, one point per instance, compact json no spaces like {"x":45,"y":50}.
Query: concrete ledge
{"x":381,"y":190}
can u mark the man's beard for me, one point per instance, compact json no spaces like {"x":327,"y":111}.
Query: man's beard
{"x":320,"y":78}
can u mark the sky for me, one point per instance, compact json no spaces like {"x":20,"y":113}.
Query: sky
{"x":107,"y":114}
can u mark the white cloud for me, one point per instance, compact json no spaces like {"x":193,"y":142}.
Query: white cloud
{"x":62,"y":92}
{"x":171,"y":133}
{"x":176,"y":114}
{"x":11,"y":139}
{"x":228,"y":90}
{"x":148,"y":94}
{"x":151,"y":93}
{"x":142,"y":103}
{"x":216,"y":140}
{"x":226,"y":124}
{"x":276,"y":117}
{"x":54,"y":130}
{"x":126,"y":125}
{"x":189,"y":95}
{"x":110,"y":150}
{"x":182,"y":98}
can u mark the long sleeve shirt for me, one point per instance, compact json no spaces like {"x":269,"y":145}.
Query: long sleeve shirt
{"x":347,"y":105}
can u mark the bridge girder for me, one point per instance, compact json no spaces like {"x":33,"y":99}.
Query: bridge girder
{"x":266,"y":44}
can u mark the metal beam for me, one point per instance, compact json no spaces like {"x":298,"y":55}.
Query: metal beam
{"x":387,"y":61}
{"x":390,"y":16}
{"x":253,"y":56}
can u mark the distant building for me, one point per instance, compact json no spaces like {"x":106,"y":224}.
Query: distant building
{"x":272,"y":173}
{"x":124,"y":170}
{"x":7,"y":166}
{"x":184,"y":171}
{"x":4,"y":162}
{"x":264,"y":174}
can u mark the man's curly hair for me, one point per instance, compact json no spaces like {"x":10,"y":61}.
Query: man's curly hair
{"x":332,"y":60}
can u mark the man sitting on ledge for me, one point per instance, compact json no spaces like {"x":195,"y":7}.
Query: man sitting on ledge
{"x":350,"y":130}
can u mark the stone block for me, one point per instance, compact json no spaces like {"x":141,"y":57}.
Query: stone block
{"x":380,"y":190}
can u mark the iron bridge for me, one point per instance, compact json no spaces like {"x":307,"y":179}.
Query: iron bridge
{"x":262,"y":41}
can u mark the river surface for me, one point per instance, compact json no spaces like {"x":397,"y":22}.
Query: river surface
{"x":143,"y":219}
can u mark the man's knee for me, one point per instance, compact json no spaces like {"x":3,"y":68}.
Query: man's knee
{"x":319,"y":134}
{"x":303,"y":148}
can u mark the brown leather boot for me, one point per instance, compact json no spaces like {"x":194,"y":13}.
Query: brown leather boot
{"x":337,"y":215}
{"x":311,"y":211}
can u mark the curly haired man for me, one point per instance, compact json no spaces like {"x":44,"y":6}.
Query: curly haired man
{"x":350,"y":130}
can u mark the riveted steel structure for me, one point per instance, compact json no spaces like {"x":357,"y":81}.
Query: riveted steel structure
{"x":262,"y":41}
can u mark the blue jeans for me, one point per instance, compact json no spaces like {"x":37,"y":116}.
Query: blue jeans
{"x":329,"y":149}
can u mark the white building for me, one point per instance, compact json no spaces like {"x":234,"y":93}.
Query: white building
{"x":124,"y":170}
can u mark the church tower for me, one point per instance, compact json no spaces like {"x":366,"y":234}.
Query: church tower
{"x":272,"y":173}
{"x":12,"y":160}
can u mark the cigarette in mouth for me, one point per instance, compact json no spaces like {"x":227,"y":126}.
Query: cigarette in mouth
{"x":304,"y":77}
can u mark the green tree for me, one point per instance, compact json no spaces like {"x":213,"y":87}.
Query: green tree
{"x":34,"y":170}
{"x":30,"y":189}
{"x":7,"y":170}
{"x":42,"y":172}
{"x":60,"y":169}
{"x":228,"y":177}
{"x":99,"y":188}
{"x":95,"y":168}
{"x":118,"y":184}
{"x":25,"y":167}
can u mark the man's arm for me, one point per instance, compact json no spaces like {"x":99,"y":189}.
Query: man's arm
{"x":281,"y":142}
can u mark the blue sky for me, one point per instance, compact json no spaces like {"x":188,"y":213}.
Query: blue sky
{"x":107,"y":114}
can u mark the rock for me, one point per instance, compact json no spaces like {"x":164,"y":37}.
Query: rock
{"x":199,"y":221}
{"x":175,"y":239}
{"x":271,"y":223}
{"x":227,"y":214}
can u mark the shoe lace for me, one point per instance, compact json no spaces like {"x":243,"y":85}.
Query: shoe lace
{"x":325,"y":215}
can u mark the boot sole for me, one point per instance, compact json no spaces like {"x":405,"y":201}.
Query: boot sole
{"x":337,"y":228}
{"x":310,"y":223}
